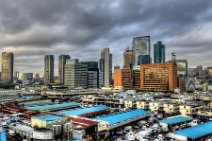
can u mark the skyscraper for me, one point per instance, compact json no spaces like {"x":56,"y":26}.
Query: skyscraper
{"x":128,"y":58}
{"x":144,"y":59}
{"x":141,"y":46}
{"x":7,"y":66}
{"x":93,"y":74}
{"x":49,"y":69}
{"x":61,"y":66}
{"x":76,"y":74}
{"x":106,"y":67}
{"x":159,"y":53}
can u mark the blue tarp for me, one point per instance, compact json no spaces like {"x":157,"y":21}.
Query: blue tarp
{"x":3,"y":136}
{"x":51,"y":106}
{"x":80,"y":111}
{"x":123,"y":116}
{"x":196,"y":132}
{"x":47,"y":117}
{"x":176,"y":120}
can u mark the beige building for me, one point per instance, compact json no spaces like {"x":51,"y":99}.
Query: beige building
{"x":155,"y":106}
{"x":142,"y":105}
{"x":7,"y":66}
{"x":189,"y":109}
{"x":130,"y":103}
{"x":170,"y":108}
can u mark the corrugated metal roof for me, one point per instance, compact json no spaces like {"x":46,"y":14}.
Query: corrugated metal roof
{"x":81,"y":111}
{"x":47,"y":117}
{"x":51,"y":106}
{"x":196,"y":132}
{"x":176,"y":120}
{"x":123,"y":116}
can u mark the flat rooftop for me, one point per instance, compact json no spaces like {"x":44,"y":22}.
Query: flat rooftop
{"x":82,"y":111}
{"x":196,"y":132}
{"x":176,"y":120}
{"x":51,"y":106}
{"x":123,"y":116}
{"x":48,"y":117}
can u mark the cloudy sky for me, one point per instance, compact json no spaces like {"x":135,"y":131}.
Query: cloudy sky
{"x":81,"y":28}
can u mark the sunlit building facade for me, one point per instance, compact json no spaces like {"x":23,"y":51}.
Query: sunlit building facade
{"x":7,"y":66}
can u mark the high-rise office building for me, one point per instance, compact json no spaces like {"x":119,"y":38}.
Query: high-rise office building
{"x":141,"y":46}
{"x":128,"y":58}
{"x":93,"y":74}
{"x":123,"y":78}
{"x":158,"y":77}
{"x":76,"y":74}
{"x":144,"y":59}
{"x":61,"y":67}
{"x":7,"y":66}
{"x":49,"y":69}
{"x":106,"y":68}
{"x":159,"y":53}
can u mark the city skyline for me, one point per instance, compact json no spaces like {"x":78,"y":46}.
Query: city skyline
{"x":34,"y":35}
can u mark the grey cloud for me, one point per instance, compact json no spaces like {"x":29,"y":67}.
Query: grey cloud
{"x":33,"y":28}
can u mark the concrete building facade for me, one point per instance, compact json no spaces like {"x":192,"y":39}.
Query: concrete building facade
{"x":128,"y":58}
{"x":48,"y":69}
{"x":123,"y":77}
{"x":61,"y":67}
{"x":158,"y":77}
{"x":7,"y":66}
{"x":106,"y":68}
{"x":75,"y":74}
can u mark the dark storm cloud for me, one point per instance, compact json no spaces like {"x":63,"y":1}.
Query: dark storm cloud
{"x":33,"y":28}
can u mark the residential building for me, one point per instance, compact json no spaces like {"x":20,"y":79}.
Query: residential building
{"x":49,"y":69}
{"x":106,"y":68}
{"x":7,"y":66}
{"x":76,"y":74}
{"x":159,"y":53}
{"x":61,"y":67}
{"x":141,"y":46}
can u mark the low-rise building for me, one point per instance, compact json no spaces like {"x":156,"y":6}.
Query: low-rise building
{"x":130,"y":103}
{"x":189,"y":109}
{"x":171,"y":108}
{"x":155,"y":106}
{"x":142,"y":104}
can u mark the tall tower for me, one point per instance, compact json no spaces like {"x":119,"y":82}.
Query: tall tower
{"x":49,"y":69}
{"x":7,"y":66}
{"x":61,"y":66}
{"x":140,"y":46}
{"x":159,"y":53}
{"x":106,"y":67}
{"x":128,"y":58}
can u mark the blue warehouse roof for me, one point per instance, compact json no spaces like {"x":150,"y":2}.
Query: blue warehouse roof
{"x":51,"y":106}
{"x":123,"y":116}
{"x":81,"y":111}
{"x":48,"y":117}
{"x":196,"y":132}
{"x":176,"y":120}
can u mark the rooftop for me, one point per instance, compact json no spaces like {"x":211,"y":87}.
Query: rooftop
{"x":47,"y":117}
{"x":51,"y":106}
{"x":123,"y":116}
{"x":81,"y":111}
{"x":176,"y":120}
{"x":196,"y":131}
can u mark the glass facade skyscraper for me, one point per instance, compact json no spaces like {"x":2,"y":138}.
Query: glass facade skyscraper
{"x":144,"y":59}
{"x":141,"y":46}
{"x":159,"y":53}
